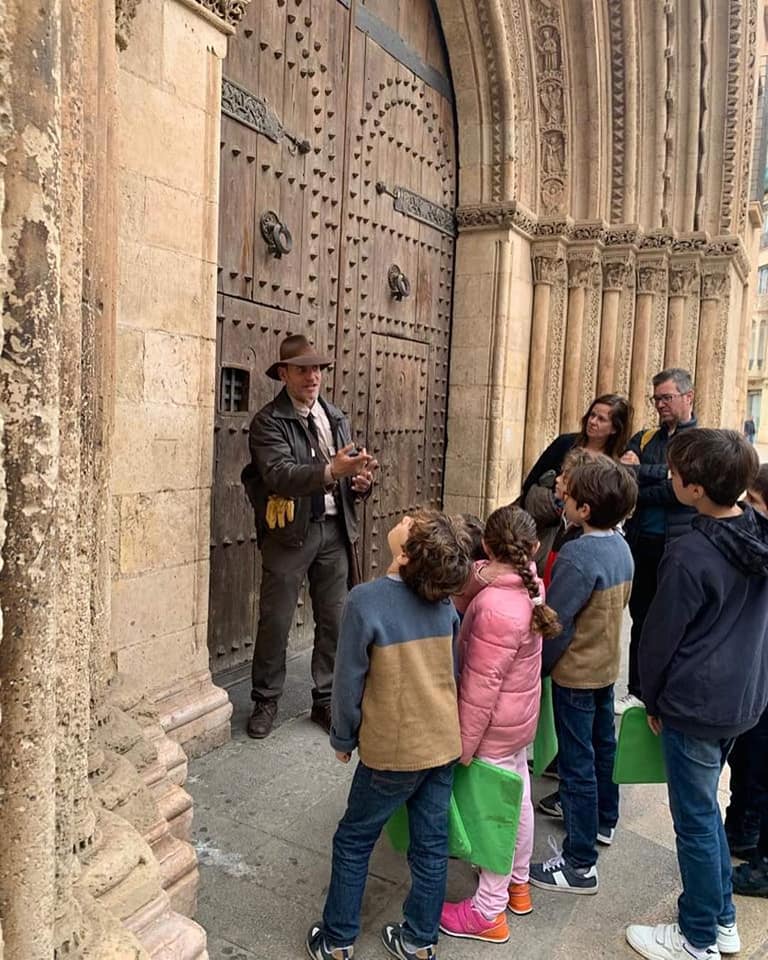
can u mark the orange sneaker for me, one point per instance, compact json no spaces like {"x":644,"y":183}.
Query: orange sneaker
{"x":520,"y":899}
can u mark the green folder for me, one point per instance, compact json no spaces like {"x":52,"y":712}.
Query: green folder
{"x":483,"y":817}
{"x":639,"y":758}
{"x":545,"y":744}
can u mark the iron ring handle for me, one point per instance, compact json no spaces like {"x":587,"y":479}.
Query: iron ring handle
{"x":399,"y":284}
{"x":276,"y":234}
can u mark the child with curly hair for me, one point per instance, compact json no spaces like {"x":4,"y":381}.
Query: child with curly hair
{"x":394,"y":700}
{"x":499,"y":691}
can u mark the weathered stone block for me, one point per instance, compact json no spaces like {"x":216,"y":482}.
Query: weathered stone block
{"x":470,"y":366}
{"x":129,"y":363}
{"x":171,"y":368}
{"x":161,"y":136}
{"x":175,"y":219}
{"x":160,"y":660}
{"x":155,"y":448}
{"x":162,"y":289}
{"x":473,"y":296}
{"x":192,"y":51}
{"x":132,"y":198}
{"x":143,"y":57}
{"x":157,"y":530}
{"x":152,"y":605}
{"x":463,"y":476}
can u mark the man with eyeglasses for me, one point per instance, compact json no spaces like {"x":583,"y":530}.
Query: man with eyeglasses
{"x":659,"y":517}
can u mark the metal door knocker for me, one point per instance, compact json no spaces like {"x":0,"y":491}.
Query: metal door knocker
{"x":277,"y":236}
{"x":399,"y":284}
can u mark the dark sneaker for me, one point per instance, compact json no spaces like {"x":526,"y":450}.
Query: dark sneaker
{"x":551,"y":770}
{"x":742,"y":843}
{"x":321,"y":715}
{"x":318,"y":949}
{"x":551,"y":805}
{"x":392,"y":938}
{"x":605,"y":835}
{"x":559,"y":875}
{"x":751,"y":879}
{"x":262,"y":719}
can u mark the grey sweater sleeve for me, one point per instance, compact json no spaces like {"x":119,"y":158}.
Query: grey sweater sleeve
{"x":568,"y":593}
{"x":352,"y":662}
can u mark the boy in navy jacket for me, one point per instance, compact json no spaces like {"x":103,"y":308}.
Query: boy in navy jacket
{"x":704,"y":674}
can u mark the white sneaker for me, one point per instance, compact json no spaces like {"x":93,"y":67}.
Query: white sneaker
{"x":728,"y":940}
{"x":625,"y":702}
{"x":666,"y":942}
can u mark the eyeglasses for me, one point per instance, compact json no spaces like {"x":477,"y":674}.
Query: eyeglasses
{"x":664,"y":398}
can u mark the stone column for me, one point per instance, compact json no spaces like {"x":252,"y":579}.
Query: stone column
{"x":648,"y":341}
{"x":29,"y":394}
{"x":712,"y":345}
{"x":683,"y":314}
{"x":581,"y":336}
{"x":617,"y":269}
{"x":546,"y":353}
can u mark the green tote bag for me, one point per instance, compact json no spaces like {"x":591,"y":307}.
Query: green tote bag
{"x":483,"y":816}
{"x":638,"y":751}
{"x":545,"y":744}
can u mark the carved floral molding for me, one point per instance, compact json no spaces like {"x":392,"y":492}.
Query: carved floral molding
{"x":231,"y":12}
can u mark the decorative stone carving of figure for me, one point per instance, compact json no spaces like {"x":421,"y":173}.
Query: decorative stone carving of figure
{"x":552,"y":102}
{"x":554,"y":153}
{"x":549,"y":49}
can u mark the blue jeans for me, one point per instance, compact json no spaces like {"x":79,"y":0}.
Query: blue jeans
{"x":693,"y":771}
{"x":586,"y":739}
{"x":373,"y":798}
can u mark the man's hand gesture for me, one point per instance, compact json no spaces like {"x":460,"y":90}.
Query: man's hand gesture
{"x":358,"y":464}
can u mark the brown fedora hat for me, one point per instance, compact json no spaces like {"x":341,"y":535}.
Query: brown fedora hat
{"x":297,"y":350}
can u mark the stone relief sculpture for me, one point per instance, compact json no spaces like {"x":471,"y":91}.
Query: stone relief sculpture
{"x":548,"y":45}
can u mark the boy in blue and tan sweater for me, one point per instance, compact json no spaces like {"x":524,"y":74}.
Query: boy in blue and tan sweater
{"x":394,"y":699}
{"x":590,"y":587}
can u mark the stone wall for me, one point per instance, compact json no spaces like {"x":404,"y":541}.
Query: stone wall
{"x":94,"y":861}
{"x":168,"y":95}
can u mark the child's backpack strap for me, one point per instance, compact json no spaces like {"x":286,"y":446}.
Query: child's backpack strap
{"x":646,"y":438}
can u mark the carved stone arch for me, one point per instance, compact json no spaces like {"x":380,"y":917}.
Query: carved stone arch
{"x":489,"y":52}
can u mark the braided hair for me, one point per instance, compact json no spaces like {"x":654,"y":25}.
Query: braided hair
{"x":510,"y":534}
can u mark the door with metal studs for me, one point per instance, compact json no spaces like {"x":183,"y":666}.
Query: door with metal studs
{"x":336,"y":220}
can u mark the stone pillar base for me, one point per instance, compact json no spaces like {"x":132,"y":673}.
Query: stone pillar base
{"x":197,"y":716}
{"x":105,"y":938}
{"x":167,"y":935}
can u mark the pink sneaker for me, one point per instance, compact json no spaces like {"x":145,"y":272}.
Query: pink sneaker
{"x":464,"y":920}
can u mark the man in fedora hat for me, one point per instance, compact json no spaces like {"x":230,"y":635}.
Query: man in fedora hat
{"x":303,"y":480}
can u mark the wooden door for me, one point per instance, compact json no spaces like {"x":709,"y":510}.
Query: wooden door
{"x":337,"y":121}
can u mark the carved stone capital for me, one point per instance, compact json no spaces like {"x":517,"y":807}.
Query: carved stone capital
{"x":547,"y":269}
{"x":651,"y":278}
{"x":582,"y":271}
{"x":683,"y":279}
{"x":615,"y":274}
{"x":715,"y":284}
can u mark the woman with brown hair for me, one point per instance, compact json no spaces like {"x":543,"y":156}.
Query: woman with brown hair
{"x":604,"y":429}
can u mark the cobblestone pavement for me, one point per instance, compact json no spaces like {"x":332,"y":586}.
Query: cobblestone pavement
{"x":265,"y":812}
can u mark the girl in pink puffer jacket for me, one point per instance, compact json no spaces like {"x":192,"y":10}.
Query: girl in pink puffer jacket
{"x":499,"y":690}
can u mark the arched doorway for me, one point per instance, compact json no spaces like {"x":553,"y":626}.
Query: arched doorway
{"x":337,"y":198}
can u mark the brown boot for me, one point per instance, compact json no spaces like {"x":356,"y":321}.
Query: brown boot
{"x":321,"y":715}
{"x":262,"y":719}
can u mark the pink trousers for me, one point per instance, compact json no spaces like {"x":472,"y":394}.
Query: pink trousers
{"x":492,"y":889}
